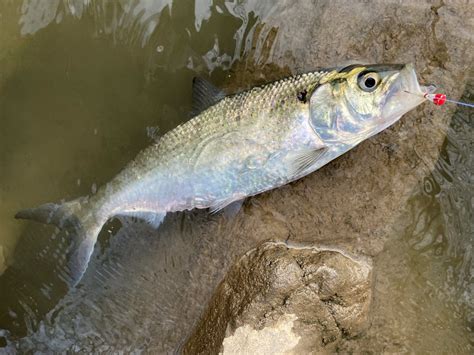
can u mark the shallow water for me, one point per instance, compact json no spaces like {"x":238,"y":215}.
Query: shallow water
{"x":424,"y":288}
{"x":85,"y":85}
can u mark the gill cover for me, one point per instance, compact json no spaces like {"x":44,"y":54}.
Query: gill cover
{"x":359,"y":101}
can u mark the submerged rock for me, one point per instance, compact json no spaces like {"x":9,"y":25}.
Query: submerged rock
{"x":280,"y":299}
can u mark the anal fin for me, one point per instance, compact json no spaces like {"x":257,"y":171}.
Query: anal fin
{"x":154,"y":219}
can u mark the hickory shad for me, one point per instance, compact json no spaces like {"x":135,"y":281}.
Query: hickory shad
{"x":241,"y":145}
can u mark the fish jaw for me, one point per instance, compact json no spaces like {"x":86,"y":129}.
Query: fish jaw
{"x":406,"y":94}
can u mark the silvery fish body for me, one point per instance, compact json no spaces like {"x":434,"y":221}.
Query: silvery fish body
{"x":241,"y":145}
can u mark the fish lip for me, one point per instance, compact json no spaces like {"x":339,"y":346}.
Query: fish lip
{"x":408,"y":75}
{"x":406,"y":94}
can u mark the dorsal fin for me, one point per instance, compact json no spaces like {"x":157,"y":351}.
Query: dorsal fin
{"x":204,"y":95}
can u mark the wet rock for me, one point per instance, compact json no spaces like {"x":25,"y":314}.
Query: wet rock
{"x":279,"y":299}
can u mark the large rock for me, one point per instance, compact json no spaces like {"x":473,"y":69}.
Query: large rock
{"x":279,"y":299}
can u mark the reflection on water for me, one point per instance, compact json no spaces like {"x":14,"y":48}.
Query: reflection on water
{"x":86,"y":84}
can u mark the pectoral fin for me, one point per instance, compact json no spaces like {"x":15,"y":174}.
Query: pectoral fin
{"x":301,"y":160}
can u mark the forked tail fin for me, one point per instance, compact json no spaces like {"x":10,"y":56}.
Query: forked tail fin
{"x":80,"y":225}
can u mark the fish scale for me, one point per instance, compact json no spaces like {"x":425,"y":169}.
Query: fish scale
{"x":175,"y":154}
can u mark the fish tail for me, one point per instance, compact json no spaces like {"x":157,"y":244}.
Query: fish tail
{"x":78,"y":223}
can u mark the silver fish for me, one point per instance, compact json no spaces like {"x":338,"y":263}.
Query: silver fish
{"x":241,"y":145}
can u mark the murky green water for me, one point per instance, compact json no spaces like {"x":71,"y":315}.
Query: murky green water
{"x":85,"y":85}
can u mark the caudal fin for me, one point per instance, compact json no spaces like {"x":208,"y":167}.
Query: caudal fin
{"x":82,"y":228}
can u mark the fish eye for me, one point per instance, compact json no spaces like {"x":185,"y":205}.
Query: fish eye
{"x":368,"y":81}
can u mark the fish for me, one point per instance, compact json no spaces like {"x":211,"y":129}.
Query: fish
{"x":240,"y":145}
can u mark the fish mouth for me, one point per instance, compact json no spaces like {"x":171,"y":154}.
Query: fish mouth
{"x":405,"y":94}
{"x":408,"y":76}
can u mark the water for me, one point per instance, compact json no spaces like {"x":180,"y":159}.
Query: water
{"x":424,"y":282}
{"x":85,"y":85}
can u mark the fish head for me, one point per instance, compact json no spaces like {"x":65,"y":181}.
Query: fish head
{"x":356,"y":102}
